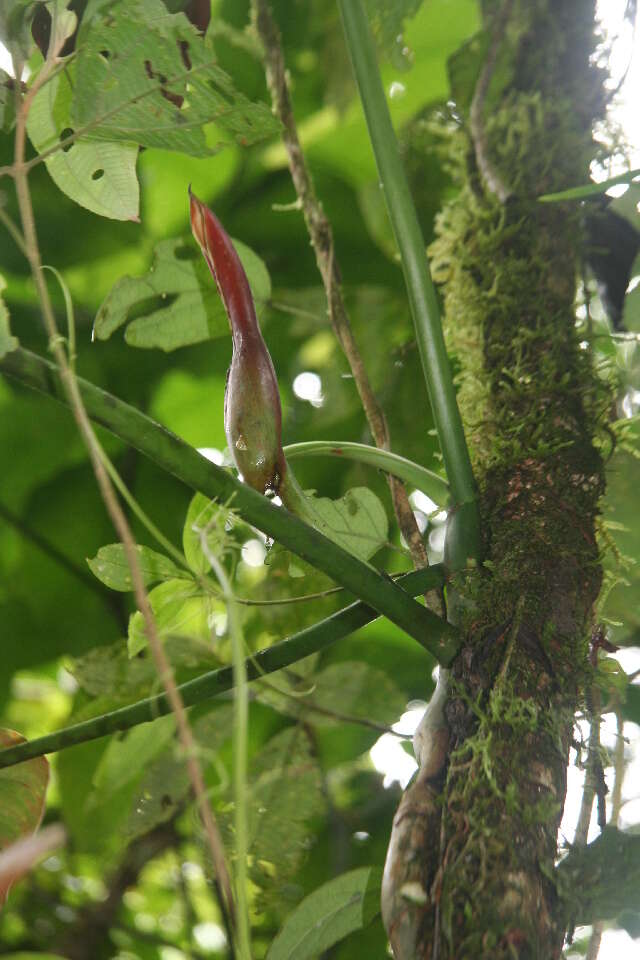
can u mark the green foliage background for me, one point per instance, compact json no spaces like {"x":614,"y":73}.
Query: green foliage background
{"x":317,"y":807}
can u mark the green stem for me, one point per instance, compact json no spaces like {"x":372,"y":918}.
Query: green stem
{"x":311,"y":640}
{"x":590,"y":189}
{"x":412,"y":473}
{"x":240,"y":738}
{"x":178,"y":458}
{"x":422,"y":296}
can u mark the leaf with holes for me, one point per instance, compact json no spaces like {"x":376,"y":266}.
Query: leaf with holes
{"x":329,"y":914}
{"x":22,"y":797}
{"x":98,"y":176}
{"x":175,"y":304}
{"x":148,"y":77}
{"x":111,"y":567}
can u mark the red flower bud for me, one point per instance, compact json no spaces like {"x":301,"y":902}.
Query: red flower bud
{"x":252,"y":413}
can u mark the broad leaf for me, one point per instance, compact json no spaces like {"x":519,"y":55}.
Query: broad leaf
{"x":346,"y":689}
{"x":22,"y":796}
{"x":620,"y":607}
{"x":206,"y":528}
{"x":111,"y":567}
{"x":109,"y":672}
{"x":329,"y":914}
{"x":357,"y":690}
{"x":15,"y":22}
{"x":179,"y":609}
{"x":147,"y":76}
{"x":98,"y":175}
{"x":165,"y":784}
{"x":357,"y":521}
{"x":285,"y":794}
{"x":600,"y":880}
{"x":177,"y":302}
{"x":116,"y":782}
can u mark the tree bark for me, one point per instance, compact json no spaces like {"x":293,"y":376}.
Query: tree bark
{"x":470,"y":873}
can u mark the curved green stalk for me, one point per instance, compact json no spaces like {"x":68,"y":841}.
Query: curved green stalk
{"x":178,"y":458}
{"x":422,"y":296}
{"x":311,"y":640}
{"x":425,"y":480}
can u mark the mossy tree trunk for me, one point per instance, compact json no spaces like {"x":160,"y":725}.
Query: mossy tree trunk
{"x":475,"y":837}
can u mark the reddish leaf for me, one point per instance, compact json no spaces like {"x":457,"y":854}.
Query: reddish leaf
{"x":23,"y":790}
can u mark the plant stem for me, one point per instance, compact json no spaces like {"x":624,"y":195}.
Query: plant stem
{"x":425,"y":480}
{"x":178,"y":458}
{"x":73,"y":397}
{"x":321,"y":236}
{"x":240,"y":736}
{"x":422,"y":296}
{"x":311,"y":640}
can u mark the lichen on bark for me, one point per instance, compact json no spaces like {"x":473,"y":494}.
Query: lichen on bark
{"x":534,"y":412}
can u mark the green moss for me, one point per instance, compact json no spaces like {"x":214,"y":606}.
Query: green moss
{"x":535,"y":412}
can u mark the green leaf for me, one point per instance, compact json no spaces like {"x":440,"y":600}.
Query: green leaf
{"x":357,"y":521}
{"x":23,"y":790}
{"x":108,"y":671}
{"x":147,"y":76}
{"x":209,"y":520}
{"x":349,"y":688}
{"x":177,"y":302}
{"x":600,"y":880}
{"x":99,"y":176}
{"x":329,"y":914}
{"x":7,"y":341}
{"x":464,"y":68}
{"x":356,"y":689}
{"x":179,"y":609}
{"x":116,"y":782}
{"x":165,"y":784}
{"x":631,"y":706}
{"x":628,"y":205}
{"x":387,"y":21}
{"x":111,"y":567}
{"x":631,"y":308}
{"x":285,"y":794}
{"x":621,"y":566}
{"x":15,"y":23}
{"x":7,"y":102}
